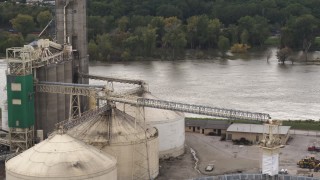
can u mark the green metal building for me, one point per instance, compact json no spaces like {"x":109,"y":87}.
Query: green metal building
{"x":20,"y":101}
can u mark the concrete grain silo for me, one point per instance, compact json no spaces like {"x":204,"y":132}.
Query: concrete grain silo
{"x":61,"y":157}
{"x":51,"y":107}
{"x":135,"y":147}
{"x":170,"y":125}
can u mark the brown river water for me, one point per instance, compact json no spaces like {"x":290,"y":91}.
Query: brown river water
{"x":247,"y":83}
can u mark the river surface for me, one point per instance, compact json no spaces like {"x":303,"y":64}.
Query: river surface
{"x":249,"y":83}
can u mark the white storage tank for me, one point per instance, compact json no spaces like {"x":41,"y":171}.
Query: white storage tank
{"x":134,"y":145}
{"x":61,"y":157}
{"x":170,"y":125}
{"x":4,"y":116}
{"x":4,"y":111}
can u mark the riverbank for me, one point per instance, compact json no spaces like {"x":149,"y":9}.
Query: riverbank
{"x":307,"y":125}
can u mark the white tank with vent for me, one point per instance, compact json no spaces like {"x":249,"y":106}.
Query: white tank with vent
{"x":4,"y":116}
{"x":134,"y":145}
{"x":4,"y":111}
{"x":170,"y":125}
{"x":61,"y":157}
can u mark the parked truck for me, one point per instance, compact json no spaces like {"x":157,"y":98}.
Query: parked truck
{"x":314,"y":148}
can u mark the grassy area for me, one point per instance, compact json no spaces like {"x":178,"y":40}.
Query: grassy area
{"x":295,"y":124}
{"x":303,"y":125}
{"x":272,"y":41}
{"x":229,"y":120}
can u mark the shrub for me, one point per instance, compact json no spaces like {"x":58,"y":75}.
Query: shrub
{"x":239,"y":48}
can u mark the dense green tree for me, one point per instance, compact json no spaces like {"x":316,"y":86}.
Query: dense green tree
{"x":23,"y":23}
{"x":139,"y":21}
{"x":300,"y":32}
{"x":43,"y":18}
{"x":123,"y":23}
{"x":93,"y":50}
{"x":95,"y":26}
{"x":244,"y":37}
{"x":133,"y":45}
{"x":213,"y":32}
{"x":149,"y":38}
{"x":257,"y":28}
{"x":174,"y":38}
{"x":198,"y":30}
{"x":283,"y":54}
{"x":223,"y":44}
{"x":104,"y":47}
{"x":168,"y":11}
{"x":10,"y":40}
{"x":295,"y":9}
{"x":158,"y":23}
{"x":233,"y":33}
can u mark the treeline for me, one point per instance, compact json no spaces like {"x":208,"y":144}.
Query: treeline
{"x":121,"y":29}
{"x":140,"y":29}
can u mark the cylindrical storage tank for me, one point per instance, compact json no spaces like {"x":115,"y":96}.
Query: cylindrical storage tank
{"x":52,"y":101}
{"x":134,"y":146}
{"x":61,"y":97}
{"x":4,"y":116}
{"x":41,"y":101}
{"x":61,"y":157}
{"x":170,"y":125}
{"x":4,"y":110}
{"x":67,"y":79}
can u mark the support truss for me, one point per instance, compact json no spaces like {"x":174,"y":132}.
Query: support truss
{"x":86,"y":116}
{"x":21,"y":139}
{"x":71,"y":89}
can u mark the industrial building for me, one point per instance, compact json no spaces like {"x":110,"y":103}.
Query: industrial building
{"x":207,"y":127}
{"x":254,"y":132}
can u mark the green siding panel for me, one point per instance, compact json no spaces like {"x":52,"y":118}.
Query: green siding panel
{"x":21,"y":116}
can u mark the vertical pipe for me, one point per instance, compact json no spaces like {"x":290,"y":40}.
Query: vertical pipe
{"x":65,"y":23}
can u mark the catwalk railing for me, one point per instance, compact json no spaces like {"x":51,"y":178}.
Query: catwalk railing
{"x":86,"y":116}
{"x":195,"y":109}
{"x":112,"y":79}
{"x":100,"y":93}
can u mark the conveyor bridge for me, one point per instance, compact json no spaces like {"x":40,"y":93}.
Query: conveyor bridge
{"x":100,"y":93}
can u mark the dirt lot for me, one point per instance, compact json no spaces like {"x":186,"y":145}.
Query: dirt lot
{"x":229,"y":158}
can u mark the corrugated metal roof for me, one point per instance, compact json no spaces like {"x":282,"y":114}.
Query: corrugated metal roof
{"x":123,"y":130}
{"x":60,"y":157}
{"x":255,"y":128}
{"x":207,"y":124}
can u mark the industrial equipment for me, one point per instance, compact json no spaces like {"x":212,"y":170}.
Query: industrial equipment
{"x":271,"y":145}
{"x":308,"y":162}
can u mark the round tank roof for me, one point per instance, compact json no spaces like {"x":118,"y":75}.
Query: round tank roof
{"x":123,"y":129}
{"x":154,"y":115}
{"x":60,"y":157}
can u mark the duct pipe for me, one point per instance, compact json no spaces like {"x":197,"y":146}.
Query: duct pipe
{"x":65,"y":22}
